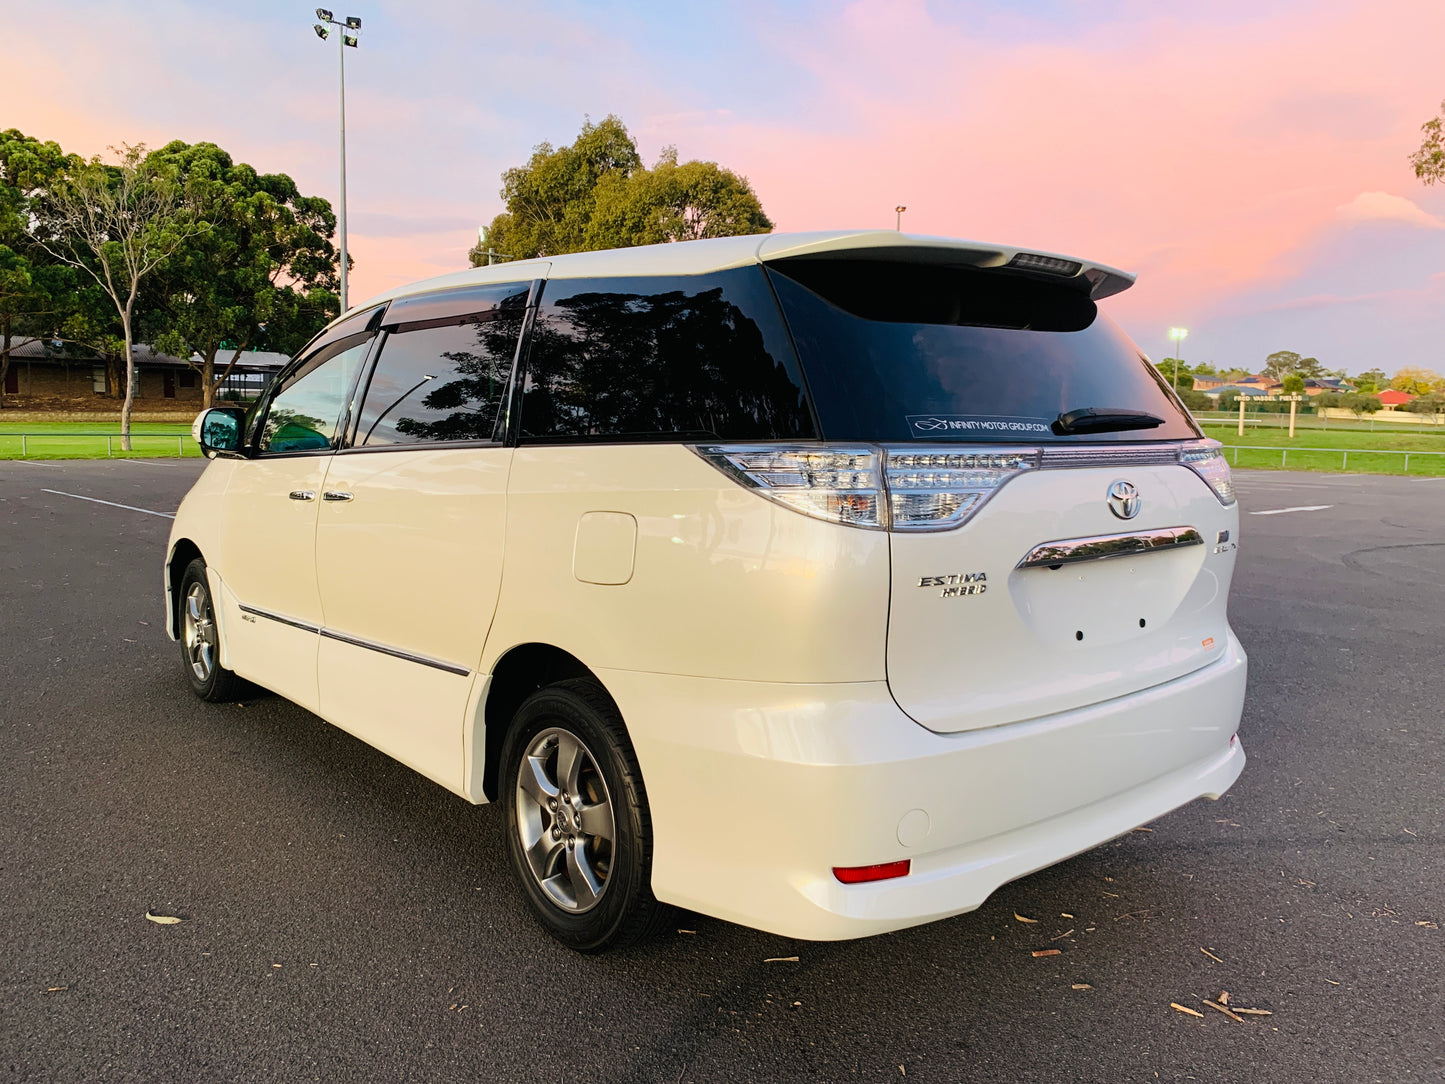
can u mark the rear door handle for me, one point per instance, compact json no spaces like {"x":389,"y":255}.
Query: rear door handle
{"x":302,"y":494}
{"x":335,"y":495}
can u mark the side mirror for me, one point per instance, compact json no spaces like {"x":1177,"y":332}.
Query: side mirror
{"x":217,"y":430}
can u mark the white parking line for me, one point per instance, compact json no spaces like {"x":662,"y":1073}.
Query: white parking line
{"x":1298,"y":508}
{"x":97,"y":500}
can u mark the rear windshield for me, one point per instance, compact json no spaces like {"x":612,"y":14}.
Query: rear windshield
{"x":910,"y":352}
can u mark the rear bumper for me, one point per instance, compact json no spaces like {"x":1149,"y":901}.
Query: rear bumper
{"x":757,"y":790}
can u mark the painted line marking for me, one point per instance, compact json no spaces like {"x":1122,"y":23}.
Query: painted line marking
{"x":1298,"y":508}
{"x":97,"y":500}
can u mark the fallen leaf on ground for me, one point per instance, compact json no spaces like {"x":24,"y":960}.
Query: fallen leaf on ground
{"x":1061,"y":936}
{"x":781,"y":960}
{"x":56,"y":989}
{"x":1065,"y":914}
{"x":1429,"y":925}
{"x":687,"y":931}
{"x":1185,"y":1009}
{"x":1082,"y":986}
{"x":1211,"y":955}
{"x":1253,"y":1012}
{"x":1223,"y":997}
{"x":162,"y":920}
{"x":1048,"y":952}
{"x":1227,"y":1012}
{"x":1143,"y":829}
{"x":1332,"y":982}
{"x":1022,"y":919}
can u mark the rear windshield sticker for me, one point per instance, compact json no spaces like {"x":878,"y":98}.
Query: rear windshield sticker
{"x":931,"y":426}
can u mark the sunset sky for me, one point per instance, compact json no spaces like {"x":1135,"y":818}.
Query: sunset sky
{"x":1247,"y":159}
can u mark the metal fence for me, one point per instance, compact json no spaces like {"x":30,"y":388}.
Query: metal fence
{"x":1310,"y":420}
{"x":154,"y":443}
{"x":1344,"y":454}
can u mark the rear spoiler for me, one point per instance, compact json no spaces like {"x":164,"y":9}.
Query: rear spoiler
{"x":1096,"y":280}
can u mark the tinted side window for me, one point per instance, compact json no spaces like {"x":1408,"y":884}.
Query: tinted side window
{"x":444,"y":378}
{"x":305,"y":414}
{"x":682,"y":356}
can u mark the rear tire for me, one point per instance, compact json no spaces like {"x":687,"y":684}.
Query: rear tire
{"x":579,"y":834}
{"x":200,"y":639}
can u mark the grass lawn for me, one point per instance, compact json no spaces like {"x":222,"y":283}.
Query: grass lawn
{"x":1261,"y":448}
{"x":86,"y":440}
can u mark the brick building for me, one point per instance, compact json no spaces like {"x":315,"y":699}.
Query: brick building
{"x":42,"y":374}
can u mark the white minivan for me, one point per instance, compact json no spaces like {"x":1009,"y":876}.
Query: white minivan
{"x":818,"y":582}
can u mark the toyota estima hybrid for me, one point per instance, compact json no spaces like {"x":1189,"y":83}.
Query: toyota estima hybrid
{"x":822,"y":583}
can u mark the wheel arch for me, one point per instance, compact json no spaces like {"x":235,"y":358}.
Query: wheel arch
{"x":183,"y":552}
{"x":516,"y":675}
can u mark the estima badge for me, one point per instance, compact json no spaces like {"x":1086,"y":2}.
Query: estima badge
{"x":958,"y":584}
{"x":1124,"y":499}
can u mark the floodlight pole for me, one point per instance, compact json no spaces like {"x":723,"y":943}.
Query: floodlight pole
{"x":348,"y":33}
{"x":341,"y":217}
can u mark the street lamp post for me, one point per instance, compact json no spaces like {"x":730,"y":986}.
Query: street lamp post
{"x":898,"y":211}
{"x":1178,"y":334}
{"x":347,"y":37}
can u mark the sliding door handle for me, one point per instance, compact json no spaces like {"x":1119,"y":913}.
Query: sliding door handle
{"x":335,"y":495}
{"x":302,"y":494}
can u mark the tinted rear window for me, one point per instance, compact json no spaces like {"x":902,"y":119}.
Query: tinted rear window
{"x":662,"y":357}
{"x":910,"y":352}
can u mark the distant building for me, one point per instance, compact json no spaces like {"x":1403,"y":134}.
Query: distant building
{"x":45,"y":375}
{"x":1319,"y":385}
{"x":1395,"y":399}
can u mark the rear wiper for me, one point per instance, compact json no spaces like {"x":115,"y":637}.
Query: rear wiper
{"x":1103,"y":420}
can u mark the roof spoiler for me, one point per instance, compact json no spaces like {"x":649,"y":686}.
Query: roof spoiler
{"x":1096,"y":280}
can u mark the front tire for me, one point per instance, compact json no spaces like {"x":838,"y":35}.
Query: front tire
{"x":579,"y":834}
{"x":200,"y":639}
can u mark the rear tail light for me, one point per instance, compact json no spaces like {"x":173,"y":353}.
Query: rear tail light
{"x":1206,"y":459}
{"x":920,"y":489}
{"x":854,"y":875}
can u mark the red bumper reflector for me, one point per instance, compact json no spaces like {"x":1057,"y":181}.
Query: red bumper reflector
{"x":852,"y":875}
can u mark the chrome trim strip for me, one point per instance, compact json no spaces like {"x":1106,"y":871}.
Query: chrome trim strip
{"x":302,"y":625}
{"x":396,"y":653}
{"x":1105,"y":456}
{"x":357,"y":641}
{"x":1104,"y":546}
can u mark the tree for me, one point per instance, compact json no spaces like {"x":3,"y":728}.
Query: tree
{"x":1433,"y":403}
{"x":596,"y":193}
{"x":1360,"y":404}
{"x":33,"y":285}
{"x":1293,"y":384}
{"x":1166,"y":369}
{"x":118,"y":224}
{"x":1417,"y":381}
{"x":1429,"y":160}
{"x":263,"y":275}
{"x":1195,"y":400}
{"x":1281,"y":363}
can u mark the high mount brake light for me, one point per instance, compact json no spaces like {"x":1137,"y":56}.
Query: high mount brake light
{"x":920,"y":489}
{"x":1206,"y":459}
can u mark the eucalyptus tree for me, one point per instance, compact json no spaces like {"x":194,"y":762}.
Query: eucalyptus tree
{"x":264,"y":275}
{"x":117,"y":224}
{"x":596,"y":193}
{"x":33,"y":286}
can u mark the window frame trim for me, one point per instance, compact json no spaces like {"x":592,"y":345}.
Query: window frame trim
{"x":344,"y":420}
{"x":501,"y":432}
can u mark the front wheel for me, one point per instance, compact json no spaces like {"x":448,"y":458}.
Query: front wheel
{"x":200,"y":641}
{"x":578,"y":830}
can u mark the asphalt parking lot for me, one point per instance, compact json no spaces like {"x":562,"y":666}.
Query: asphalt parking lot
{"x":345,"y":919}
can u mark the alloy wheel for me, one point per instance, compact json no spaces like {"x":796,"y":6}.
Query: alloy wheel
{"x":565,"y":820}
{"x":200,"y":632}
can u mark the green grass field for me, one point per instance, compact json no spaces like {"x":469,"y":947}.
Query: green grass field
{"x":86,"y":440}
{"x":1262,"y":448}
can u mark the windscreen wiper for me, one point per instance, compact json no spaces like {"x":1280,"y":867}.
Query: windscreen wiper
{"x":1103,"y":420}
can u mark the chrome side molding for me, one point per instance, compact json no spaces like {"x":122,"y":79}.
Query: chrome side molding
{"x":355,"y":641}
{"x":1101,"y":547}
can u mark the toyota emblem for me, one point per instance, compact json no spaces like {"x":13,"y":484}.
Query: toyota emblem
{"x":1124,"y":499}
